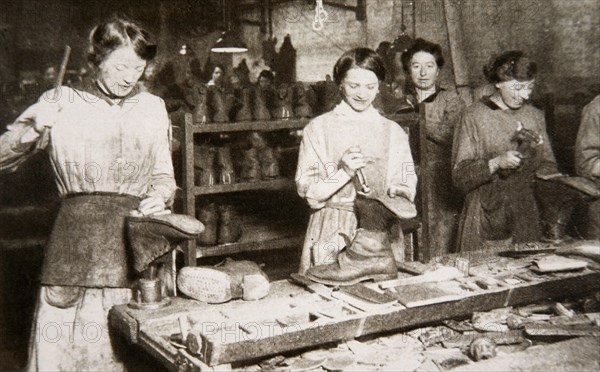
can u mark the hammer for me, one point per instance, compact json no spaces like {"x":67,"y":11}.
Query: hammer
{"x":59,"y":80}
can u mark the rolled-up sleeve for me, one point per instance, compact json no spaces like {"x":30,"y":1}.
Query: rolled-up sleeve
{"x":20,"y":140}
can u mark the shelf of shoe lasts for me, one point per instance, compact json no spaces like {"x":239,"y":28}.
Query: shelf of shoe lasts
{"x":190,"y":191}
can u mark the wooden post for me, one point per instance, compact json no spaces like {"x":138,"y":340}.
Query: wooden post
{"x":189,"y":195}
{"x":424,"y":252}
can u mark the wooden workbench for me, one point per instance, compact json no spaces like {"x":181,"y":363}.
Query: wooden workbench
{"x":292,"y":318}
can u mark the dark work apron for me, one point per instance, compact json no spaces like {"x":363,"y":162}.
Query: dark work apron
{"x":88,"y":244}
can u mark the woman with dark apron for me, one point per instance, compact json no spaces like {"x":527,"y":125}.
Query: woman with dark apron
{"x":109,"y":149}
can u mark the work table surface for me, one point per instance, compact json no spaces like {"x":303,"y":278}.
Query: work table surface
{"x":291,"y":317}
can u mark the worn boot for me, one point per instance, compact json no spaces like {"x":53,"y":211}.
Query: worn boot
{"x":204,"y":164}
{"x":269,"y":166}
{"x":283,"y":103}
{"x":302,"y":108}
{"x":232,"y":280}
{"x":371,"y":182}
{"x":226,"y":171}
{"x":153,"y":236}
{"x":368,"y":256}
{"x":209,"y":216}
{"x":331,"y":95}
{"x":200,"y":113}
{"x":232,"y":104}
{"x":557,"y":199}
{"x":244,"y":113}
{"x":229,"y":227}
{"x":250,"y":171}
{"x":261,"y":104}
{"x":218,"y":104}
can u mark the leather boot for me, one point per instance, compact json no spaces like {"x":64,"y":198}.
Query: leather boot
{"x":226,"y":171}
{"x":204,"y":164}
{"x":250,"y":171}
{"x":155,"y":235}
{"x":556,"y":202}
{"x":332,"y":96}
{"x":557,"y":199}
{"x":368,"y":256}
{"x":209,"y":216}
{"x":229,"y":227}
{"x":244,"y":113}
{"x":220,"y":111}
{"x":232,"y":104}
{"x":283,"y":103}
{"x":269,"y":166}
{"x":261,"y":105}
{"x":231,"y":280}
{"x":200,"y":113}
{"x":302,"y":109}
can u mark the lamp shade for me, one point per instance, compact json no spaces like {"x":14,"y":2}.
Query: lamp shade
{"x":229,"y":42}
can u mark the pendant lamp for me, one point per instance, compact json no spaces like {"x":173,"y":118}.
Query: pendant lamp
{"x":229,"y":42}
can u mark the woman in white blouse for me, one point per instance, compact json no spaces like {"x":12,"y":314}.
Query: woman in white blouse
{"x":109,"y":148}
{"x":336,"y":145}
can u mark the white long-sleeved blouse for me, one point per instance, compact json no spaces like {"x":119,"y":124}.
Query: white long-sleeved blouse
{"x":319,"y":177}
{"x":97,"y":145}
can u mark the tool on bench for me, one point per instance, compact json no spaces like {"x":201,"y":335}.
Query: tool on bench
{"x":357,"y":296}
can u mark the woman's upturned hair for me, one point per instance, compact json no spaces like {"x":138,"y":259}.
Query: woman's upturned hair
{"x":106,"y":37}
{"x":360,"y":57}
{"x":422,"y":45}
{"x":510,"y":65}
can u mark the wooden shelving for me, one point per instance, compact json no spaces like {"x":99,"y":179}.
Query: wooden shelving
{"x":246,"y":246}
{"x":241,"y":126}
{"x":265,"y":236}
{"x":275,"y":184}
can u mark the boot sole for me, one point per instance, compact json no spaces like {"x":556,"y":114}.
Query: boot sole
{"x":375,"y":278}
{"x":204,"y":284}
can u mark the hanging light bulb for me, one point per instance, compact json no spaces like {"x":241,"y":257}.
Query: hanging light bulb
{"x":183,"y":50}
{"x":229,"y":42}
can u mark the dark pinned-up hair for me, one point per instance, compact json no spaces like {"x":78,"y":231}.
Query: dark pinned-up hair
{"x":422,"y":45}
{"x":360,"y":57}
{"x":510,"y":65}
{"x":109,"y":36}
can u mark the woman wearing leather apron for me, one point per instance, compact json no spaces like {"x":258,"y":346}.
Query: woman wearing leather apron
{"x":109,"y":148}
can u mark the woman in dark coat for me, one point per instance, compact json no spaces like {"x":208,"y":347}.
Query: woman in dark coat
{"x":443,"y":108}
{"x":499,"y":148}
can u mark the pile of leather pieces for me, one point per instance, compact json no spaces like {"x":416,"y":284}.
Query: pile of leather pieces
{"x":454,"y":344}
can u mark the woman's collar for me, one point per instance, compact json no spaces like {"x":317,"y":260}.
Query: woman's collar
{"x":496,"y":101}
{"x":92,"y":86}
{"x":411,"y":90}
{"x":344,"y":109}
{"x":424,"y":95}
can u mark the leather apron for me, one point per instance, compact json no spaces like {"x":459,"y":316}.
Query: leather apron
{"x":88,"y":246}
